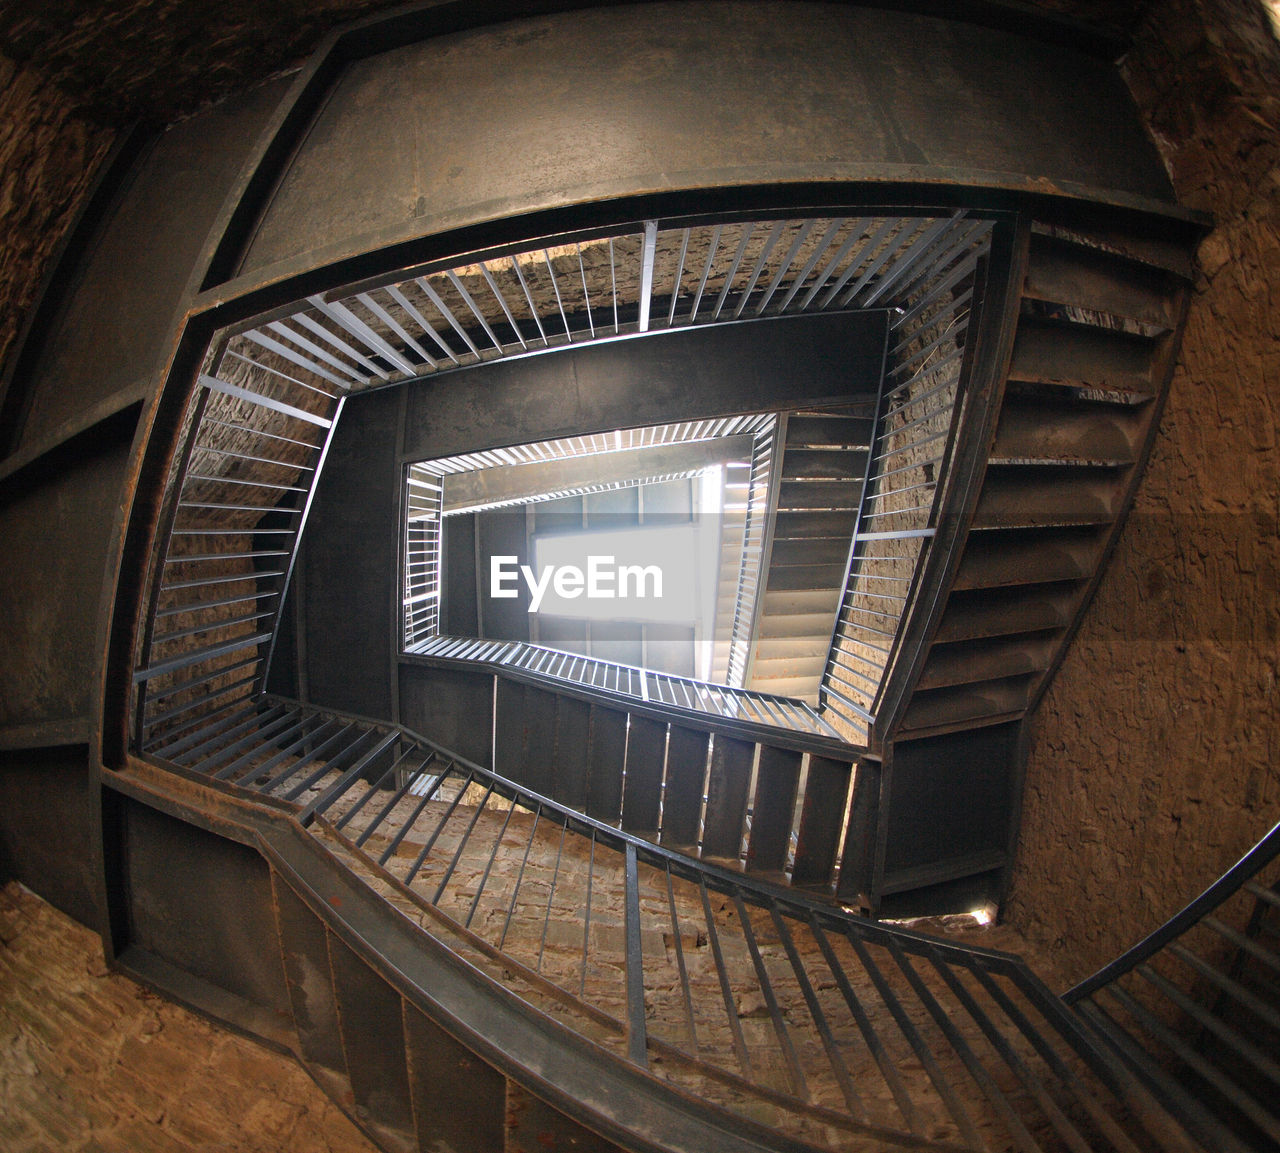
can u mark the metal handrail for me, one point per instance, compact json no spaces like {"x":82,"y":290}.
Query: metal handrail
{"x":1191,"y":1008}
{"x":841,"y":1003}
{"x":634,"y":279}
{"x":1230,"y":883}
{"x":290,"y":373}
{"x":421,"y":556}
{"x":255,"y":443}
{"x":909,"y":444}
{"x":632,"y":682}
{"x":422,"y":559}
{"x":748,"y":598}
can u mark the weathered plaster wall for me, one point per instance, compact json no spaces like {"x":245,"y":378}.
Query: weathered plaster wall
{"x":1156,"y":756}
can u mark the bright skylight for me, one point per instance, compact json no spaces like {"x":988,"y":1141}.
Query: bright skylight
{"x":646,"y":573}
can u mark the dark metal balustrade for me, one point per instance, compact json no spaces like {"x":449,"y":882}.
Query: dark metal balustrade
{"x":665,"y":275}
{"x":663,"y":950}
{"x":642,"y":685}
{"x":910,"y":441}
{"x":259,"y":419}
{"x":835,"y":1030}
{"x":239,"y":495}
{"x":745,"y":498}
{"x":1202,"y":996}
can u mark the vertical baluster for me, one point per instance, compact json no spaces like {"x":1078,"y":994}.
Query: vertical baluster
{"x":637,"y":1044}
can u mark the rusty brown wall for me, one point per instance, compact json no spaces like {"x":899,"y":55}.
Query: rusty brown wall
{"x":1156,"y":755}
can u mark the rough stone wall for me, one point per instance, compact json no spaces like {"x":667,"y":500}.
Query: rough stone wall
{"x":71,"y":76}
{"x":89,"y":1061}
{"x":1156,"y":755}
{"x":48,"y":154}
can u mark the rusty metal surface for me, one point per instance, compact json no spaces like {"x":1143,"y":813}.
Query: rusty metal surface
{"x":459,"y":1102}
{"x":379,"y":956}
{"x":203,"y":904}
{"x":456,"y":703}
{"x":535,"y":1127}
{"x":44,"y":805}
{"x":56,"y":523}
{"x":348,"y":568}
{"x":304,"y":950}
{"x":370,"y":1016}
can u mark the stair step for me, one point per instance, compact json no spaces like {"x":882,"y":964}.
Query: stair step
{"x":1030,"y":496}
{"x":809,"y":551}
{"x":786,"y":602}
{"x":786,"y":668}
{"x":792,"y":648}
{"x":1082,"y":356}
{"x":801,"y":688}
{"x":849,"y":431}
{"x":807,"y":577}
{"x":1003,"y":612}
{"x":964,"y":704}
{"x":1027,"y":558}
{"x":798,"y":525}
{"x":1065,"y":272}
{"x":974,"y":662}
{"x":1155,"y":252}
{"x":823,"y":463}
{"x":784,"y":625}
{"x":819,"y":494}
{"x":1048,"y":432}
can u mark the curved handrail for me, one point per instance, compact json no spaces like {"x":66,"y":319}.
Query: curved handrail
{"x":1230,"y":883}
{"x":796,"y":1005}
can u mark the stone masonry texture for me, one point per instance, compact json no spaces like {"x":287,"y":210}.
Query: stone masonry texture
{"x":90,"y":1061}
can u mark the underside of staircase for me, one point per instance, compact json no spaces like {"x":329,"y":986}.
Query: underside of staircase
{"x":499,"y":897}
{"x":822,"y":469}
{"x":453,"y":950}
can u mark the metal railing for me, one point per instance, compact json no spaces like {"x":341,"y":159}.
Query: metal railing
{"x":593,"y":444}
{"x":641,"y":278}
{"x":239,"y":493}
{"x":423,"y":501}
{"x":829,"y":1028}
{"x":765,"y":458}
{"x":1194,"y":1008}
{"x":261,"y":415}
{"x":910,"y":442}
{"x":630,"y":681}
